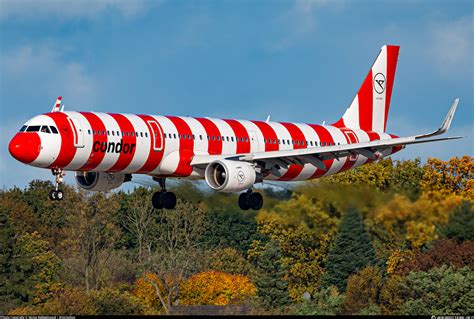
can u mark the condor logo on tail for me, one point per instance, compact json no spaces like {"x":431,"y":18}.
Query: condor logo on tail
{"x":113,"y":147}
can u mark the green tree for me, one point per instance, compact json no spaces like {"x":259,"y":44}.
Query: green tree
{"x":272,"y":289}
{"x":325,"y":302}
{"x":461,"y":223}
{"x":351,"y":251}
{"x":438,"y":291}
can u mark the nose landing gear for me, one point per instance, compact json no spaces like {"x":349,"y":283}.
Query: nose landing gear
{"x":163,"y":199}
{"x":251,"y":200}
{"x":56,"y":193}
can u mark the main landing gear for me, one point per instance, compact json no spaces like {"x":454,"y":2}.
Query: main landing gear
{"x":251,"y":200}
{"x":163,"y":199}
{"x":56,"y":193}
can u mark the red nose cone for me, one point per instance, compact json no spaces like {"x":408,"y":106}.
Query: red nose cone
{"x":25,"y":147}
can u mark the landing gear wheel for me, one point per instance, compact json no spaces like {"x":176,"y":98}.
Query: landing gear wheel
{"x":162,"y":200}
{"x":59,"y":195}
{"x":244,"y":201}
{"x":157,"y":200}
{"x":52,"y":194}
{"x":255,"y":201}
{"x":169,"y":200}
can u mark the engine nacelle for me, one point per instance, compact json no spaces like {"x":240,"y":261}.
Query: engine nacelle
{"x":100,"y":181}
{"x":231,"y":176}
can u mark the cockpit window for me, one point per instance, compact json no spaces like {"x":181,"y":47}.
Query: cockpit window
{"x":54,"y":130}
{"x":45,"y":129}
{"x":33,"y":128}
{"x":23,"y":128}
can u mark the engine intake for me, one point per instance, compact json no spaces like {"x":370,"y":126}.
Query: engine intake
{"x":231,"y":176}
{"x":100,"y":181}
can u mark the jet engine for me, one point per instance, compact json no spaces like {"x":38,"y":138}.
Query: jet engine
{"x":100,"y":181}
{"x":231,"y":176}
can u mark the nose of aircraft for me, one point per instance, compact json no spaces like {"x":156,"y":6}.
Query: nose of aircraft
{"x":25,"y":147}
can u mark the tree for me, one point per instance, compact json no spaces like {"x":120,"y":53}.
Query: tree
{"x":139,"y":222}
{"x":362,"y":290}
{"x":92,"y":236}
{"x":455,"y":175}
{"x":216,"y":288}
{"x":438,"y":291}
{"x":110,"y":301}
{"x":228,"y":260}
{"x":461,"y":223}
{"x":303,"y":229}
{"x":177,"y":251}
{"x":272,"y":289}
{"x":351,"y":252}
{"x":444,"y":252}
{"x":325,"y":302}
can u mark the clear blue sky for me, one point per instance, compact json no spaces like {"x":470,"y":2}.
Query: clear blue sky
{"x":296,"y":60}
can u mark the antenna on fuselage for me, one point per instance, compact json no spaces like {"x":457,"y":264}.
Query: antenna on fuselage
{"x":268,"y":118}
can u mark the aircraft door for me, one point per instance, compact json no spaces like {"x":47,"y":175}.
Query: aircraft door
{"x":157,"y":136}
{"x":77,"y":131}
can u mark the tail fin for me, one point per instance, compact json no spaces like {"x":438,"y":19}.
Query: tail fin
{"x":57,"y":105}
{"x":369,"y":109}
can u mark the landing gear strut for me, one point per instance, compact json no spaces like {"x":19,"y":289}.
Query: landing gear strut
{"x":251,"y":200}
{"x":163,"y":199}
{"x":56,"y":193}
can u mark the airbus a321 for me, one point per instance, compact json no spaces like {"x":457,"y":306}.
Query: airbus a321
{"x":106,"y":149}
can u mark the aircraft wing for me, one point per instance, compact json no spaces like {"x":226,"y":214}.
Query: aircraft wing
{"x":317,"y":155}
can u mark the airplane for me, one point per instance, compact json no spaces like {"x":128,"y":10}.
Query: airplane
{"x":106,"y":149}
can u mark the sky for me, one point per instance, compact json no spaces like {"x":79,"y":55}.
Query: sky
{"x":300,"y":61}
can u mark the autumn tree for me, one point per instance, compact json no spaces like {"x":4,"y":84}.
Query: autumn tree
{"x":216,"y":288}
{"x":177,"y":252}
{"x":362,"y":290}
{"x":455,"y":175}
{"x":351,"y":252}
{"x":302,"y":228}
{"x":324,"y":302}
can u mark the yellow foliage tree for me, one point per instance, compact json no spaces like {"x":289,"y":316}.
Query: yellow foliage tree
{"x":216,"y":288}
{"x":145,"y":291}
{"x":455,"y":175}
{"x":303,"y":229}
{"x":402,"y":220}
{"x":362,"y":289}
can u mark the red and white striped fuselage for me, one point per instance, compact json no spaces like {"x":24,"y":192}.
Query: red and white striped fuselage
{"x":164,"y":146}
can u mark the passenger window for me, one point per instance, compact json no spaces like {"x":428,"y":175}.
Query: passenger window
{"x":194,"y":137}
{"x":283,"y":141}
{"x":232,"y":138}
{"x":246,"y":139}
{"x":200,"y":137}
{"x":146,"y":134}
{"x":34,"y":128}
{"x":89,"y":132}
{"x":108,"y":133}
{"x":98,"y":132}
{"x":23,"y":128}
{"x":113,"y":133}
{"x":174,"y":135}
{"x":189,"y":137}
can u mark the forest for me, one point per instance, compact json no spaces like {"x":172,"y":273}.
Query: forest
{"x":392,"y":237}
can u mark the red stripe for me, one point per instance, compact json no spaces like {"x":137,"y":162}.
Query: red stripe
{"x":365,"y":103}
{"x":67,"y":150}
{"x":154,"y":157}
{"x":392,"y":57}
{"x":269,"y":135}
{"x":186,"y":146}
{"x":240,"y":132}
{"x":214,"y":144}
{"x":95,"y":158}
{"x":350,"y":140}
{"x":324,"y":136}
{"x":395,"y":148}
{"x":125,"y":158}
{"x":373,"y":136}
{"x":296,"y":135}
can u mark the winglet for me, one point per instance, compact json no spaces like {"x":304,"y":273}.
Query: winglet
{"x":446,"y":123}
{"x":57,"y":105}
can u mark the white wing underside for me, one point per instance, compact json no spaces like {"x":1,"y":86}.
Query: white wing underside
{"x":317,"y":155}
